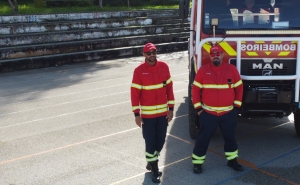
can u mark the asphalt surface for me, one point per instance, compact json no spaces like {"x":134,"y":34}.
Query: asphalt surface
{"x":73,"y":124}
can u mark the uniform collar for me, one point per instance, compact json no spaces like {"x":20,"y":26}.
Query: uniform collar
{"x":149,"y":66}
{"x":217,"y":68}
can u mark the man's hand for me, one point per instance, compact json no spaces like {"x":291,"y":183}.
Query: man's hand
{"x":199,"y":112}
{"x":138,"y":121}
{"x":170,"y":116}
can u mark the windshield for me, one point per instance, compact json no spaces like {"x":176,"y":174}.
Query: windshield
{"x":252,"y":14}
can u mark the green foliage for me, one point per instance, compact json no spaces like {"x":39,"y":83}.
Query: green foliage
{"x":32,"y":7}
{"x":163,"y":2}
{"x":122,"y":3}
{"x":40,"y":3}
{"x":67,"y":3}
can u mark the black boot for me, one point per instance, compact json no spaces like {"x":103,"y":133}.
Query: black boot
{"x":148,"y":167}
{"x":197,"y":168}
{"x":155,"y":173}
{"x":235,"y":165}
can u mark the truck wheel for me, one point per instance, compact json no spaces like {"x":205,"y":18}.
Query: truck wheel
{"x":193,"y":117}
{"x":297,"y":122}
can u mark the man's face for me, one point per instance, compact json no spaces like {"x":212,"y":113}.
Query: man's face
{"x":150,"y":56}
{"x":216,"y":58}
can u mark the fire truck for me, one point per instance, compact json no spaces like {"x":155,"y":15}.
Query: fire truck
{"x":261,"y":39}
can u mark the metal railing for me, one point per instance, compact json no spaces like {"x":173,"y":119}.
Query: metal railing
{"x":239,"y":40}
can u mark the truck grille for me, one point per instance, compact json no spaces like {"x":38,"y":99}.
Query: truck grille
{"x":257,"y":67}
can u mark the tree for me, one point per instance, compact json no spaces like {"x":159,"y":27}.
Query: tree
{"x":128,"y":3}
{"x":100,"y":3}
{"x":14,"y":6}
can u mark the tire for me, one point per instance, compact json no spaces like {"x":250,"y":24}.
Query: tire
{"x":297,"y":122}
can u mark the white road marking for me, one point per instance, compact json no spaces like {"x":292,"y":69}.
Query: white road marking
{"x":70,"y":113}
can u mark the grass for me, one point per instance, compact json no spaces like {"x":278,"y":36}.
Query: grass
{"x":28,"y":7}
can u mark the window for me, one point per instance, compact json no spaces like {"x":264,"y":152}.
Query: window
{"x":247,"y":14}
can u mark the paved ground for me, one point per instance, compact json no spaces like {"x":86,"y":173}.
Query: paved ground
{"x":73,"y":125}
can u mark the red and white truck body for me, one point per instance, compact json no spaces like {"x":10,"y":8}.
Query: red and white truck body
{"x":261,"y":41}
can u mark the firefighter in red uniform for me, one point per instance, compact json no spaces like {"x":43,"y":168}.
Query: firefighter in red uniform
{"x":152,"y":101}
{"x":217,"y":95}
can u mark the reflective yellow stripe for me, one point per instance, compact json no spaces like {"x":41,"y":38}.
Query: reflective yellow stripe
{"x":169,"y":81}
{"x":284,"y":53}
{"x":197,"y":105}
{"x":259,"y":42}
{"x":151,"y":87}
{"x":157,"y":86}
{"x":252,"y":54}
{"x":207,"y":47}
{"x":154,"y":111}
{"x":231,"y":155}
{"x":232,"y":52}
{"x":217,"y":109}
{"x":240,"y":82}
{"x":197,"y":159}
{"x":135,"y":107}
{"x":268,"y":53}
{"x":171,"y":102}
{"x":214,"y":86}
{"x":153,"y":107}
{"x":197,"y":84}
{"x":151,"y":157}
{"x":237,"y":102}
{"x":228,"y":49}
{"x":137,"y":86}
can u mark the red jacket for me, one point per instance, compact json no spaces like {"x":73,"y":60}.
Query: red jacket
{"x":152,"y":90}
{"x":217,"y":90}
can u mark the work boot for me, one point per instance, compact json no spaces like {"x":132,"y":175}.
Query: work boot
{"x":235,"y":165}
{"x":155,"y":173}
{"x":197,"y":168}
{"x":148,"y":167}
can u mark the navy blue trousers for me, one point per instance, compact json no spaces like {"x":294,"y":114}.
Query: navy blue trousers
{"x":208,"y":125}
{"x":154,"y":133}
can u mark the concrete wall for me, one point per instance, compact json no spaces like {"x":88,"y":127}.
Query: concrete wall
{"x":52,"y":39}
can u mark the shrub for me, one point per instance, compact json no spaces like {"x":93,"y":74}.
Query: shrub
{"x":59,"y":3}
{"x":40,"y":3}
